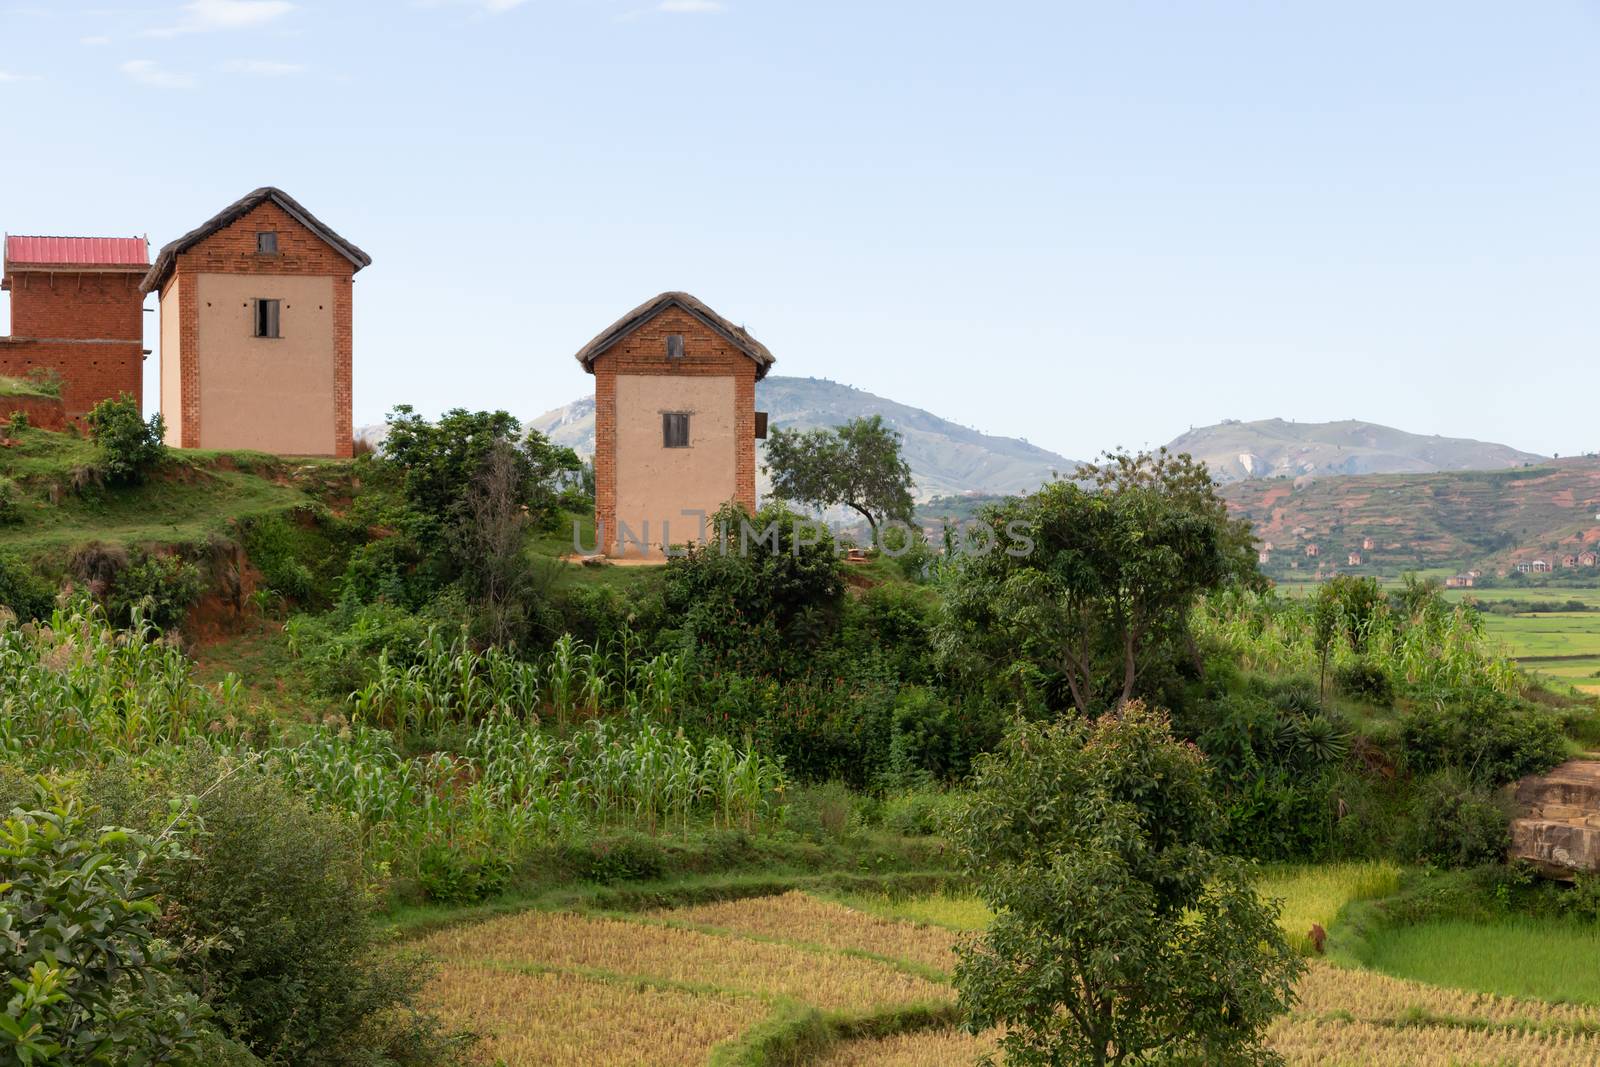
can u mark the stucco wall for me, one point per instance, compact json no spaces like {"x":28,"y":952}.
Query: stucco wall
{"x":171,"y":366}
{"x":272,"y":394}
{"x":655,"y":483}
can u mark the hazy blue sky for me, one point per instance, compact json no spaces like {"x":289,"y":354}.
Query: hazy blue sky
{"x":1084,"y":224}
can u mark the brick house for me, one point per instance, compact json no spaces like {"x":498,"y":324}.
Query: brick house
{"x":1588,"y":559}
{"x":1460,"y":581}
{"x":1311,"y":550}
{"x":77,"y":311}
{"x":256,"y":336}
{"x":1354,"y":559}
{"x":675,"y":422}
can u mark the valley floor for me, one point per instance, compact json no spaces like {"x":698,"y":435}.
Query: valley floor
{"x":840,"y":980}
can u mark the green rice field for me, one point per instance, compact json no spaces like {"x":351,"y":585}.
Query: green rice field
{"x":1549,"y":959}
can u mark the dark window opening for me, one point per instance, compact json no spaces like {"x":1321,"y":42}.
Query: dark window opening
{"x":761,"y":426}
{"x":674,"y":346}
{"x":267,"y":242}
{"x":675,"y":430}
{"x":267,"y":318}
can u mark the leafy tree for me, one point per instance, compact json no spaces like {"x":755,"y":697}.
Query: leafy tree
{"x":439,"y":459}
{"x":130,"y":447}
{"x":1089,"y":589}
{"x":1120,"y":935}
{"x":90,"y":982}
{"x":22,"y":591}
{"x":858,"y":465}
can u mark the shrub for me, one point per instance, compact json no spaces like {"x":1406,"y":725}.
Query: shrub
{"x":24,"y":592}
{"x":275,"y":914}
{"x":161,"y":588}
{"x":130,"y":447}
{"x":1493,"y":739}
{"x":18,"y":422}
{"x":1365,"y":680}
{"x":1456,"y":822}
{"x":89,"y":980}
{"x":919,"y":814}
{"x":623,"y":859}
{"x":827,"y":812}
{"x":10,"y":502}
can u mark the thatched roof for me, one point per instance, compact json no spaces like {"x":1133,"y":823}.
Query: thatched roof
{"x":648,"y":310}
{"x":167,"y":259}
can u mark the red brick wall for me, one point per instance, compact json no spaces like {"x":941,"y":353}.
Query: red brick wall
{"x":88,"y":327}
{"x":644,"y":351}
{"x":44,"y":412}
{"x":232,"y":250}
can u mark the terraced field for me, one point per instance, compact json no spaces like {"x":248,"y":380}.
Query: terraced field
{"x":691,"y":985}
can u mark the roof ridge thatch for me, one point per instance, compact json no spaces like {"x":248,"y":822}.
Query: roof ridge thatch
{"x":166,"y":259}
{"x":736,"y":335}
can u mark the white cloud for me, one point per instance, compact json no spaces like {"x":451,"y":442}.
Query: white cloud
{"x":96,"y":40}
{"x":149,"y":72}
{"x":203,"y":16}
{"x":690,"y":7}
{"x":262,"y":68}
{"x":488,"y":7}
{"x":10,"y":76}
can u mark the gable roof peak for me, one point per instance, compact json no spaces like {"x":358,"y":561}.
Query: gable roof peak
{"x":166,"y":259}
{"x":735,"y":335}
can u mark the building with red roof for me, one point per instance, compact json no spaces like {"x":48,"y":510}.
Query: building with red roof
{"x":77,"y":313}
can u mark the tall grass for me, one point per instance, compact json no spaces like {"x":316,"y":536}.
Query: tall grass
{"x":1551,"y":959}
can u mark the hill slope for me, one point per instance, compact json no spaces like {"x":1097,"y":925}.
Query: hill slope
{"x":1490,"y":518}
{"x":945,"y":458}
{"x":1273,"y":448}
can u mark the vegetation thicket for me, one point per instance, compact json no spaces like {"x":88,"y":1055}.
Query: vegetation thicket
{"x":442,"y":718}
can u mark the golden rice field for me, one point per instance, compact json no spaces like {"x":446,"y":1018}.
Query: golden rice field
{"x":667,"y":987}
{"x":796,"y":916}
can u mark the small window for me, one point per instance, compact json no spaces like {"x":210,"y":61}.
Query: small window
{"x":674,"y":346}
{"x":267,"y":318}
{"x":267,"y":242}
{"x":675,"y":430}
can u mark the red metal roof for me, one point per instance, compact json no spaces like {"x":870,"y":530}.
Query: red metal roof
{"x":78,"y":251}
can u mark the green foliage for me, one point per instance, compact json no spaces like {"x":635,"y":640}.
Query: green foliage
{"x":301,"y":553}
{"x":130,"y":447}
{"x":1491,"y":738}
{"x":857,"y":465}
{"x":1120,"y":934}
{"x":1456,"y":822}
{"x":21,"y":590}
{"x":90,"y":982}
{"x":1090,"y":591}
{"x":1365,"y":680}
{"x":920,"y":813}
{"x":11,"y":501}
{"x":272,"y":906}
{"x":157,"y":588}
{"x":762,"y":595}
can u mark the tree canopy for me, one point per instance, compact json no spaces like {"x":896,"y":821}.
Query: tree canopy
{"x":857,"y":465}
{"x":1100,"y":590}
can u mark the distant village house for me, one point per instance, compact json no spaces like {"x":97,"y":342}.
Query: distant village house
{"x":77,"y":314}
{"x":256,"y":336}
{"x":1460,"y":581}
{"x":1354,"y":559}
{"x":1311,"y":550}
{"x":675,"y":422}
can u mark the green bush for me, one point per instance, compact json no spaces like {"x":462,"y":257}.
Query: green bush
{"x":1365,"y":680}
{"x":24,"y":592}
{"x":447,"y":873}
{"x":274,"y":912}
{"x":827,"y":812}
{"x":1493,"y":739}
{"x":919,"y":814}
{"x":162,"y":588}
{"x":1456,"y":822}
{"x":130,"y":447}
{"x":89,"y":978}
{"x":621,"y":859}
{"x":10,"y":502}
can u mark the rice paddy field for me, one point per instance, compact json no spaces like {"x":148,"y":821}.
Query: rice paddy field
{"x":689,"y":985}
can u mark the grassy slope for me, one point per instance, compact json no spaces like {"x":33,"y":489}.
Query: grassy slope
{"x":197,"y":494}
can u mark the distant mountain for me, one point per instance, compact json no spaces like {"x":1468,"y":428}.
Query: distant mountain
{"x":1396,"y":522}
{"x":1273,"y":448}
{"x":946,"y":459}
